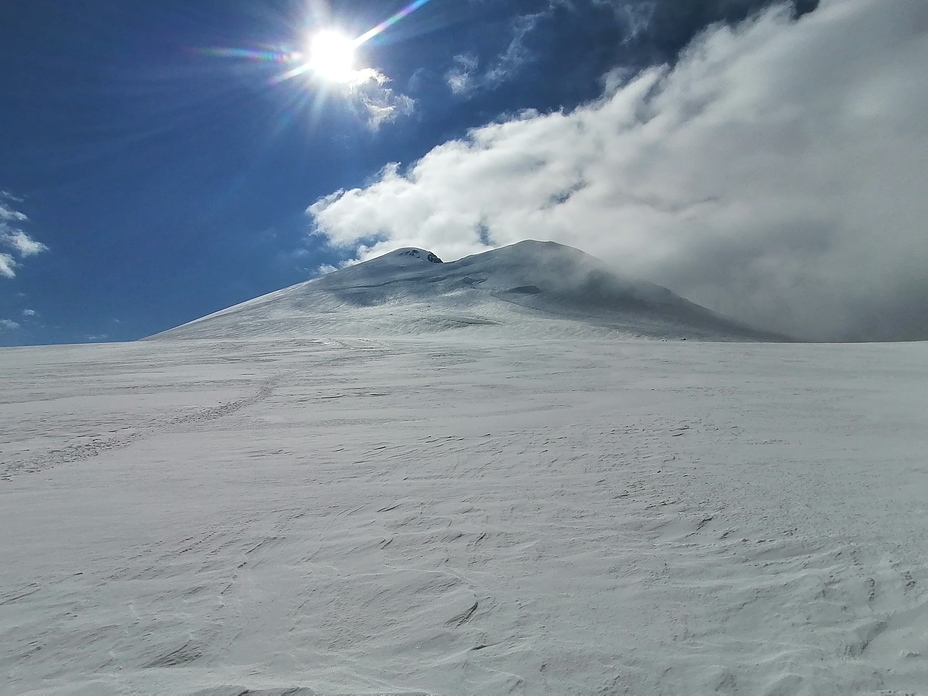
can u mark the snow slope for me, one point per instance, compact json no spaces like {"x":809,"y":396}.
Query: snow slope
{"x":268,"y":508}
{"x":541,"y":288}
{"x":461,"y":514}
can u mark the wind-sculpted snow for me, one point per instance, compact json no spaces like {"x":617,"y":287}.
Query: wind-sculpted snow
{"x":463,"y":515}
{"x":532,"y":288}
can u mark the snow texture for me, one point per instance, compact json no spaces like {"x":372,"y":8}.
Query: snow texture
{"x":461,"y":512}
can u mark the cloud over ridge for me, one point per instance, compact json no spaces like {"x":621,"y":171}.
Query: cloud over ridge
{"x":775,"y":173}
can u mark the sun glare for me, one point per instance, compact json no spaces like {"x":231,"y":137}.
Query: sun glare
{"x":331,"y":56}
{"x":328,"y":55}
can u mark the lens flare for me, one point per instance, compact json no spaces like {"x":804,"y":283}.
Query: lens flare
{"x":330,"y":54}
{"x":387,"y":23}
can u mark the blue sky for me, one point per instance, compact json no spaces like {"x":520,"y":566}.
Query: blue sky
{"x":150,"y":175}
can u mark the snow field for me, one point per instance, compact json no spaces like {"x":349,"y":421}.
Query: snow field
{"x":463,"y":515}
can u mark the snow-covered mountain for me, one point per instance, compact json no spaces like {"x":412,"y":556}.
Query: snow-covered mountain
{"x":536,"y":288}
{"x":414,"y":510}
{"x":359,"y":499}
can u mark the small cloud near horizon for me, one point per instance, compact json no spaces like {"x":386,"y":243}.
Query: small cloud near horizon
{"x":775,"y":173}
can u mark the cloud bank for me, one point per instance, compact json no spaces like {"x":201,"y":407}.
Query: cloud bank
{"x":776,"y":174}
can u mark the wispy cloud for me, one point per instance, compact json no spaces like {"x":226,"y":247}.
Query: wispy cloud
{"x":379,"y":103}
{"x":516,"y":53}
{"x":13,"y":236}
{"x":460,"y":78}
{"x":8,"y":325}
{"x":775,"y":173}
{"x":7,"y":214}
{"x":22,"y":242}
{"x":636,"y":16}
{"x":7,"y":265}
{"x":465,"y":75}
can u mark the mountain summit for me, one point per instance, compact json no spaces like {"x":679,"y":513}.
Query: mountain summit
{"x":527,"y":289}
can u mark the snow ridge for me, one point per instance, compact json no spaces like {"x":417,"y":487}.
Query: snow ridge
{"x":526,"y":289}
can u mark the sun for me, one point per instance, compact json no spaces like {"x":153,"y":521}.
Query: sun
{"x":327,"y":55}
{"x":331,"y":56}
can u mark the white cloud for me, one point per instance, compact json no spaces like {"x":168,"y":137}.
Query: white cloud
{"x":8,"y":325}
{"x":637,"y":17}
{"x":7,"y":266}
{"x":13,"y":236}
{"x":516,"y":53}
{"x":776,"y":174}
{"x":21,"y":242}
{"x":465,"y":78}
{"x":7,"y":214}
{"x":460,"y":78}
{"x":379,"y":103}
{"x":29,"y":312}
